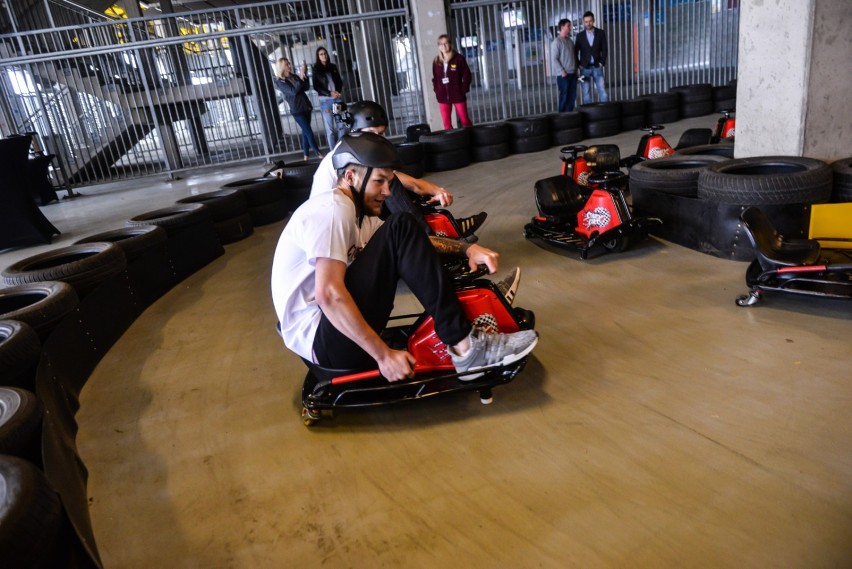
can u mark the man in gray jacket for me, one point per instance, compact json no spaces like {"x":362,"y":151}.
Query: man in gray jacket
{"x":563,"y":66}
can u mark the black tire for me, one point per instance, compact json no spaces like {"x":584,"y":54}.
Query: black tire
{"x":726,"y":150}
{"x":221,"y":204}
{"x":634,"y":107}
{"x":415,"y":131}
{"x":527,"y":127}
{"x":41,"y":305}
{"x":173,"y":217}
{"x":524,"y":145}
{"x":20,"y":349}
{"x":443,"y":161}
{"x":235,"y":229}
{"x":603,"y":128}
{"x":633,"y":122}
{"x":663,"y":117}
{"x":30,"y":515}
{"x":82,"y":266}
{"x":565,"y":121}
{"x":490,"y":152}
{"x":766,"y":180}
{"x":724,"y":92}
{"x":410,"y":152}
{"x":302,"y":171}
{"x":134,"y":241}
{"x":567,"y":136}
{"x":676,"y":175}
{"x":20,"y":422}
{"x":661,"y":102}
{"x":697,"y":109}
{"x":488,"y":134}
{"x":725,"y":105}
{"x":595,"y":112}
{"x":270,"y":212}
{"x":696,"y":93}
{"x":413,"y":170}
{"x":259,"y":191}
{"x":445,"y":141}
{"x":842,"y":171}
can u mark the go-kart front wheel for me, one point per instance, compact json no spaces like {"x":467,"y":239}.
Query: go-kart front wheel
{"x":309,"y":417}
{"x":749,"y":299}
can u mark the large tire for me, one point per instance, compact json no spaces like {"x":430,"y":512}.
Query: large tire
{"x":842,"y":170}
{"x":41,"y":305}
{"x":662,"y":102}
{"x":565,"y":121}
{"x":665,"y":116}
{"x":724,"y":92}
{"x":414,"y":170}
{"x":173,"y":217}
{"x":409,"y":152}
{"x":20,"y":422}
{"x":633,"y":122}
{"x":20,"y":349}
{"x":490,"y":134}
{"x":696,"y":109}
{"x":602,"y":128}
{"x":594,"y":112}
{"x":491,"y":152}
{"x":221,"y":204}
{"x":766,"y":180}
{"x":30,"y":515}
{"x":442,"y":161}
{"x":259,"y":191}
{"x":445,"y":141}
{"x":134,"y":241}
{"x":82,"y":266}
{"x":634,"y":107}
{"x":537,"y":143}
{"x":725,"y":150}
{"x":270,"y":212}
{"x":676,"y":175}
{"x":698,"y":92}
{"x":725,"y":105}
{"x":234,"y":229}
{"x":528,"y":127}
{"x":567,"y":136}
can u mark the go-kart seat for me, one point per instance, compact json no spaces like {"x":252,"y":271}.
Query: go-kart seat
{"x":559,"y":197}
{"x":603,"y":157}
{"x":772,"y":249}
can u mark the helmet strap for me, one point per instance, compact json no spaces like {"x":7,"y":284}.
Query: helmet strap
{"x":359,"y":195}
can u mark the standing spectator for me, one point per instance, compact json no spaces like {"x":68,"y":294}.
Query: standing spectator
{"x":591,"y":53}
{"x":293,"y":87}
{"x":563,"y":65}
{"x":451,"y":81}
{"x":328,"y":85}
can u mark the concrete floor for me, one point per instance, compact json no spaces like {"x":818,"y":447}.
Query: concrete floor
{"x":656,"y":425}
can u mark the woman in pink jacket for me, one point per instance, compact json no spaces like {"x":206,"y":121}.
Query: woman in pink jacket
{"x":451,"y":81}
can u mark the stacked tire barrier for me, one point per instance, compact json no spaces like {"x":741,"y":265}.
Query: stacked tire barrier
{"x":725,"y":97}
{"x":601,"y":119}
{"x":490,"y":142}
{"x":662,"y":108}
{"x":229,"y":210}
{"x":633,"y":113}
{"x":529,"y":134}
{"x":411,"y":156}
{"x":565,"y":128}
{"x":272,"y":198}
{"x":842,"y":180}
{"x":446,"y":149}
{"x":695,"y":100}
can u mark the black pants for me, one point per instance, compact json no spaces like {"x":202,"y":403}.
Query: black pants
{"x":402,"y":200}
{"x":398,"y":250}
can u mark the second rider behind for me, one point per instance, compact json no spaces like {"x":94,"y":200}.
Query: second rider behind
{"x":329,"y":86}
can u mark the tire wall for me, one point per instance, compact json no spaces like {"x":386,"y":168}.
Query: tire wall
{"x":73,"y":349}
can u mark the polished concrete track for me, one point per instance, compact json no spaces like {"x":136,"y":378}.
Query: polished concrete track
{"x":657,"y":424}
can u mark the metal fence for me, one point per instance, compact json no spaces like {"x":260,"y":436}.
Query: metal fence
{"x":653,"y":45}
{"x":134,"y":97}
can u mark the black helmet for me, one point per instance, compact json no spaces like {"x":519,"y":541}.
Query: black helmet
{"x":366,"y":114}
{"x":365,"y":149}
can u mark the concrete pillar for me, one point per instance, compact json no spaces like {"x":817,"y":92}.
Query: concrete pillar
{"x":430,"y":21}
{"x":794,"y":79}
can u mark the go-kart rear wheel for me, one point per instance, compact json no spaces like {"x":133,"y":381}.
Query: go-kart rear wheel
{"x":309,"y":417}
{"x":616,"y":244}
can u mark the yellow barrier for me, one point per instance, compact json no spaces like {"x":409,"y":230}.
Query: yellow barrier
{"x":831,"y":225}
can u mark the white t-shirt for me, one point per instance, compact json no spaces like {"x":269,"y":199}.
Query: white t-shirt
{"x":325,"y":178}
{"x":325,"y":226}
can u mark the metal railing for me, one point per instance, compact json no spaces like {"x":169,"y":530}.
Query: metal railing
{"x":165,"y":93}
{"x":653,"y":45}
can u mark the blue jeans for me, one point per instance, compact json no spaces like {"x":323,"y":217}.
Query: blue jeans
{"x":308,"y":141}
{"x":596,"y":73}
{"x":333,"y":132}
{"x":567,"y":92}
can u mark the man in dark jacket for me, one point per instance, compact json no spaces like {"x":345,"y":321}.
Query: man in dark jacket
{"x":591,"y":49}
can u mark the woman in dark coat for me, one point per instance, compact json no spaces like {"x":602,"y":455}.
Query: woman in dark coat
{"x":451,"y":81}
{"x":293,"y":87}
{"x":329,"y":85}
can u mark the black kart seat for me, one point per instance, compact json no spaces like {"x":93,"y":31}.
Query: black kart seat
{"x":694,"y":137}
{"x":603,"y":157}
{"x":559,"y":197}
{"x":772,"y":250}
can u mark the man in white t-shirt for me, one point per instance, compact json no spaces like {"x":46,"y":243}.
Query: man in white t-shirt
{"x":337,"y":265}
{"x":368,"y":116}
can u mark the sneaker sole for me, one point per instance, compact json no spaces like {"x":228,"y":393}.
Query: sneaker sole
{"x":506,"y":361}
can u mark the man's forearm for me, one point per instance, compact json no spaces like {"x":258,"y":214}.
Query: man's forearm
{"x":446,"y":246}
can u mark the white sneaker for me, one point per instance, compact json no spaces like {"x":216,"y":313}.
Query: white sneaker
{"x":493,"y":350}
{"x":508,"y":287}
